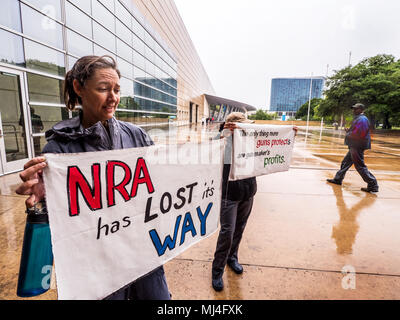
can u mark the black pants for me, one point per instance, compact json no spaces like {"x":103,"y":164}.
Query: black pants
{"x":356,"y":157}
{"x":152,"y":286}
{"x":233,"y":219}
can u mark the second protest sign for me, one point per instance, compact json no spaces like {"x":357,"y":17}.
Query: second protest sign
{"x":260,"y":150}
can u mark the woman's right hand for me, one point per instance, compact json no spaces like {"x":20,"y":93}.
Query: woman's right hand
{"x":230,"y":125}
{"x":32,"y":184}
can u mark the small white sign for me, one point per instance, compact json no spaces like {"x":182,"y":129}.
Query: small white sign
{"x":260,"y":150}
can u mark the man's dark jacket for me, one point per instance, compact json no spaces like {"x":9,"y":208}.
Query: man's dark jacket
{"x":358,"y":135}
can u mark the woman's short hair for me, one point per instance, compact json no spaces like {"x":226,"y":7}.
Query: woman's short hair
{"x":83,"y":70}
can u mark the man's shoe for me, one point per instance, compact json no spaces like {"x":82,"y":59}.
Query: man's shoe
{"x":218,"y":284}
{"x":236,"y":267}
{"x":334,"y":181}
{"x":370,"y":189}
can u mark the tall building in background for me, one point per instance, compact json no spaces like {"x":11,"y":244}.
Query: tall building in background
{"x":289,"y":94}
{"x":163,"y":79}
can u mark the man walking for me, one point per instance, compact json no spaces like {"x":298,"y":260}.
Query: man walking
{"x":358,"y":140}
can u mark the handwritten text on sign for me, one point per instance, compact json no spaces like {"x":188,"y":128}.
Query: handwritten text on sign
{"x":119,"y":217}
{"x":260,"y":150}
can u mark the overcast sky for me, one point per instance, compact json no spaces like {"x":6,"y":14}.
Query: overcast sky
{"x":243,"y":44}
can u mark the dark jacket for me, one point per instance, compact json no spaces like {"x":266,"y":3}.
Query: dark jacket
{"x":69,"y":136}
{"x":238,"y":190}
{"x":358,"y":136}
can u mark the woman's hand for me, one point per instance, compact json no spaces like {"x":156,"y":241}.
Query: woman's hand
{"x":230,"y":125}
{"x":32,"y":181}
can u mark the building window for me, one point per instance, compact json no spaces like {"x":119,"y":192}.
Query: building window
{"x":109,"y":4}
{"x":44,"y":118}
{"x":10,"y":15}
{"x":124,"y":51}
{"x":41,"y":27}
{"x":71,"y":62}
{"x":43,"y":58}
{"x":103,"y":16}
{"x":122,"y":14}
{"x":138,"y":44}
{"x":99,"y":51}
{"x":13,"y":52}
{"x":125,"y":68}
{"x":124,"y":33}
{"x":103,"y":37}
{"x":143,"y":119}
{"x":84,"y":5}
{"x":78,"y":45}
{"x":157,"y":106}
{"x":45,"y":89}
{"x":52,"y":8}
{"x":77,"y":20}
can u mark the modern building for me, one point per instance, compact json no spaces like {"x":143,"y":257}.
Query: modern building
{"x":289,"y":94}
{"x":163,"y":80}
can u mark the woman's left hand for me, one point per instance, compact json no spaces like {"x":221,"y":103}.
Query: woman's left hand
{"x":230,"y":125}
{"x":295,"y":130}
{"x":32,"y":181}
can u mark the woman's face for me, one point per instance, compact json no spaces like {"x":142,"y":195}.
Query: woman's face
{"x":100,"y":96}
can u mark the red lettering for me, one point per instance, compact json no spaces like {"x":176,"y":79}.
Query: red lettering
{"x":111,"y":187}
{"x":137,"y":179}
{"x":92,"y":195}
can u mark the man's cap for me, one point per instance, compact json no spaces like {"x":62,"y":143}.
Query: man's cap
{"x":358,"y":105}
{"x":238,"y":117}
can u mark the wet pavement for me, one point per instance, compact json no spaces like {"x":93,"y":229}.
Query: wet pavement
{"x":305,"y":238}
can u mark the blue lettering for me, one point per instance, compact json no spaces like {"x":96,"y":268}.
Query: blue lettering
{"x":187,"y":226}
{"x":203,"y":218}
{"x":168,"y":242}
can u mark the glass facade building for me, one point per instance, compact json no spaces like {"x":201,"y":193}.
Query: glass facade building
{"x":289,"y":94}
{"x":162,"y":76}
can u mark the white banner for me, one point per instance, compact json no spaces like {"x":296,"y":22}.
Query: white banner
{"x":260,"y":150}
{"x":117,"y":215}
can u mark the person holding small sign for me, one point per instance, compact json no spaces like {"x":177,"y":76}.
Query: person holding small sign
{"x":237,"y":202}
{"x":94,"y":83}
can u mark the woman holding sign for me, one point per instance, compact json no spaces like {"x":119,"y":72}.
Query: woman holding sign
{"x":237,"y":203}
{"x":94,"y":83}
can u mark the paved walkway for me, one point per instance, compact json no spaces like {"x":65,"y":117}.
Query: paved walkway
{"x":305,"y":239}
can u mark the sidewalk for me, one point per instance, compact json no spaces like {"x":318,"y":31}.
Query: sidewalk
{"x":302,"y":233}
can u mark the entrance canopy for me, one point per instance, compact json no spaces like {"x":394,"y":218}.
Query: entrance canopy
{"x":221,"y":107}
{"x":231,"y":103}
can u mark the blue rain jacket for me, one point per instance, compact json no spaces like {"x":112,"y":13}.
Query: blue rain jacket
{"x":358,"y":135}
{"x":69,"y":136}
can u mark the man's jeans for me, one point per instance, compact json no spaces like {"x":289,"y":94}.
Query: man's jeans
{"x":233,"y":219}
{"x":356,"y":157}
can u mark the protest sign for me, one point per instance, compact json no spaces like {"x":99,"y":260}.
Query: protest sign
{"x":260,"y":149}
{"x":117,"y":215}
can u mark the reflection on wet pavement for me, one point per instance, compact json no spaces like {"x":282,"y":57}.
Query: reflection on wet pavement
{"x":345,"y":231}
{"x":301,"y":234}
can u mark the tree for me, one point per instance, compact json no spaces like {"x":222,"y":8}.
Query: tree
{"x":303,"y":110}
{"x":260,"y":115}
{"x":374,"y":81}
